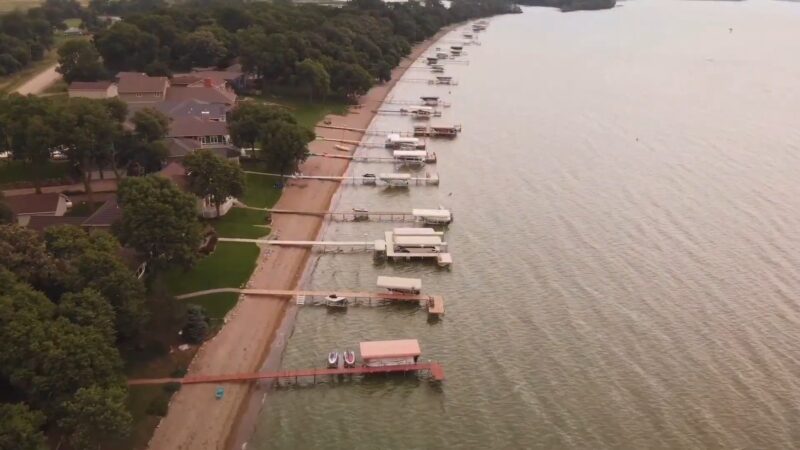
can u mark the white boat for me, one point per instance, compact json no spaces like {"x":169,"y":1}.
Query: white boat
{"x":433,"y":216}
{"x":394,"y":140}
{"x":333,"y":360}
{"x":335,"y":301}
{"x":400,"y":285}
{"x":436,"y":68}
{"x":395,"y":179}
{"x":442,"y":55}
{"x":349,"y":358}
{"x":430,"y":101}
{"x":444,"y":80}
{"x":368,"y":178}
{"x":410,"y":157}
{"x":360,"y":214}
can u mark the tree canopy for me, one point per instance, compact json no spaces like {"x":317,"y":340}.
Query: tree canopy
{"x":159,"y":220}
{"x":79,"y":60}
{"x":213,"y":177}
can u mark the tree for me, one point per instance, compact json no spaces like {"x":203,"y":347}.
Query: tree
{"x":20,"y":428}
{"x":79,"y":60}
{"x":89,"y":128}
{"x":203,"y":49}
{"x":314,"y":76}
{"x":150,"y":124}
{"x":40,"y":138}
{"x":213,"y":177}
{"x":26,"y":124}
{"x":95,"y":415}
{"x":196,"y":327}
{"x":350,"y":79}
{"x":88,"y":308}
{"x":159,"y":220}
{"x":284,"y":146}
{"x":6,"y":215}
{"x":126,"y":47}
{"x":23,"y":253}
{"x":248,"y":122}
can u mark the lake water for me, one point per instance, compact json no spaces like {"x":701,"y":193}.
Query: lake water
{"x":626,"y":245}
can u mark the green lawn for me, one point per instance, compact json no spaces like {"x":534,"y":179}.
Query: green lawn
{"x":310,"y":113}
{"x":73,"y":23}
{"x":260,"y":190}
{"x":229,"y":266}
{"x":217,"y":305}
{"x":20,"y":171}
{"x":241,"y":223}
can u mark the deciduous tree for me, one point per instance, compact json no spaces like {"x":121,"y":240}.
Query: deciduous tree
{"x":284,"y":146}
{"x":96,"y":415}
{"x":20,"y":428}
{"x":159,"y":220}
{"x":78,"y":60}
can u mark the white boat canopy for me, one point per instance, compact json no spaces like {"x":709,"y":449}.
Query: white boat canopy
{"x":395,"y":176}
{"x":390,"y":349}
{"x":407,"y":284}
{"x":417,"y":241}
{"x":433,"y":213}
{"x":409,"y":231}
{"x":410,"y":154}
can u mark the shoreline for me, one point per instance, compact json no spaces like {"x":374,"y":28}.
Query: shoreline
{"x":258,"y":328}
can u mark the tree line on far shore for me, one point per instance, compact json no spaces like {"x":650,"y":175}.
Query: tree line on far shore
{"x":314,"y":48}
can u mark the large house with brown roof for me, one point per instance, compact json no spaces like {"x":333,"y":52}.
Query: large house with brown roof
{"x":26,"y":206}
{"x":136,"y":87}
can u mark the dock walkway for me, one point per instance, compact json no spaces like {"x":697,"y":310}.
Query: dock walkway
{"x":435,"y":303}
{"x":433,"y":368}
{"x":345,"y":216}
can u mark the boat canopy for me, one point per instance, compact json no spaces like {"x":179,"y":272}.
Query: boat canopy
{"x":395,"y":138}
{"x":389,"y":349}
{"x":410,"y":154}
{"x":430,"y":98}
{"x":395,"y":176}
{"x":410,"y":231}
{"x":408,"y":284}
{"x":437,"y":213}
{"x":417,"y":241}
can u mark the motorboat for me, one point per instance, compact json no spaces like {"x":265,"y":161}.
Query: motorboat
{"x":349,"y":358}
{"x":368,"y":178}
{"x":360,"y":214}
{"x":333,"y":359}
{"x":335,"y":301}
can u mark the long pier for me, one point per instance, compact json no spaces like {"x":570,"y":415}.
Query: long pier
{"x":367,"y":181}
{"x":346,"y":216}
{"x":433,"y":368}
{"x":435,"y":303}
{"x":429,"y":159}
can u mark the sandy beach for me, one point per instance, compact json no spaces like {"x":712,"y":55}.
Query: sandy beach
{"x":196,"y":419}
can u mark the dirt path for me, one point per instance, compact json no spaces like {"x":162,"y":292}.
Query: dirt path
{"x":40,"y":81}
{"x":196,"y":419}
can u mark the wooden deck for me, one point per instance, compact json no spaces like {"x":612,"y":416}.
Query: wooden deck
{"x":435,"y":369}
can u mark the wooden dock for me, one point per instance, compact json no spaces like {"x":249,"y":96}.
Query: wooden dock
{"x":348,"y":216}
{"x":433,"y":368}
{"x":428,"y":180}
{"x":435,"y":303}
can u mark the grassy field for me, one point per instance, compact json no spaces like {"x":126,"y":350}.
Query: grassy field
{"x":217,"y":305}
{"x":310,"y":113}
{"x":229,"y":266}
{"x":241,"y":223}
{"x":261,"y":191}
{"x":19,"y":171}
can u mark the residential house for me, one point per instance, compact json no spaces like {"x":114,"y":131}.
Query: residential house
{"x":180,"y":147}
{"x":231,"y":77}
{"x":92,"y":89}
{"x":175,"y":172}
{"x":208,"y":93}
{"x":26,"y":206}
{"x":103,"y":218}
{"x":134,"y":87}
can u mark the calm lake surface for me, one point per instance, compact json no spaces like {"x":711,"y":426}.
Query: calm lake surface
{"x":626,"y":245}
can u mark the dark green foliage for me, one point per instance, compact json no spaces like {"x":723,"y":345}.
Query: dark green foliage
{"x":316,"y":48}
{"x":79,"y":60}
{"x":20,"y":428}
{"x":95,"y":415}
{"x":24,"y":36}
{"x":196,"y":327}
{"x":285,"y":145}
{"x":212,"y":177}
{"x":159,"y":220}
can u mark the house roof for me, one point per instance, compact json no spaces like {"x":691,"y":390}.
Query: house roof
{"x":200,"y":93}
{"x":33,"y":203}
{"x":39,"y":223}
{"x":133,"y":82}
{"x":192,"y":108}
{"x":108,"y":213}
{"x":175,"y":172}
{"x":89,"y":85}
{"x":196,"y":127}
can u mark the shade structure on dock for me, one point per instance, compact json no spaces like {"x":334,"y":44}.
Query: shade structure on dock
{"x":411,"y":231}
{"x":398,"y":283}
{"x":401,"y":348}
{"x":417,"y":241}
